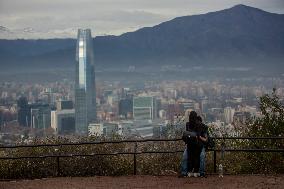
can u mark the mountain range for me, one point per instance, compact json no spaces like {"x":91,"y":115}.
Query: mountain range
{"x":240,"y":36}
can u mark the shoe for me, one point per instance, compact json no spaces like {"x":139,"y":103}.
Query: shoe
{"x":189,"y":174}
{"x":203,"y":175}
{"x":182,"y":176}
{"x":196,"y":174}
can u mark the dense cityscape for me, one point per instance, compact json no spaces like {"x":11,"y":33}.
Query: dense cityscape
{"x":47,"y":109}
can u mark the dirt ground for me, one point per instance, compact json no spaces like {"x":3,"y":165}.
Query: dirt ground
{"x":162,"y":182}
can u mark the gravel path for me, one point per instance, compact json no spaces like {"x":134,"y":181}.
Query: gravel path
{"x":162,"y":182}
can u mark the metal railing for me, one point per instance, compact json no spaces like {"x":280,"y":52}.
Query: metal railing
{"x":135,"y":152}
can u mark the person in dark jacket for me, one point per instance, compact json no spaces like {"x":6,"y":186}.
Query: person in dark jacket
{"x":194,"y":146}
{"x":186,"y":169}
{"x":204,"y":139}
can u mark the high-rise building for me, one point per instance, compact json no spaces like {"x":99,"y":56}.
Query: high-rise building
{"x":23,"y":111}
{"x":173,"y":110}
{"x":40,"y":116}
{"x":144,"y":108}
{"x":36,"y":115}
{"x":63,"y":121}
{"x":187,"y":103}
{"x":64,"y":105}
{"x":85,"y":89}
{"x":125,"y":107}
{"x":229,"y":114}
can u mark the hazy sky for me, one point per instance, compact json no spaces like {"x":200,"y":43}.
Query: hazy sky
{"x":62,"y":18}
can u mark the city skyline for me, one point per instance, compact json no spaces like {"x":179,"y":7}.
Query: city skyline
{"x":49,"y":19}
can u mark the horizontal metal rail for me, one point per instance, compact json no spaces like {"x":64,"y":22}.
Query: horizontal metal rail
{"x":89,"y":155}
{"x":133,"y":141}
{"x":142,"y":152}
{"x":248,"y":150}
{"x":90,"y":143}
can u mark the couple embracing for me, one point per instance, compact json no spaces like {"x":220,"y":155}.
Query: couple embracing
{"x":196,"y":138}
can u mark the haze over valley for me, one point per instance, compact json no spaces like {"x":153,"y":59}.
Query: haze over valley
{"x":238,"y":42}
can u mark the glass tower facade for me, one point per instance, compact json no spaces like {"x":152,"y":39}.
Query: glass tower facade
{"x":85,"y":89}
{"x":144,"y":108}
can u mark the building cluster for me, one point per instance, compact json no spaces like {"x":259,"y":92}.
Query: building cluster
{"x":130,"y":111}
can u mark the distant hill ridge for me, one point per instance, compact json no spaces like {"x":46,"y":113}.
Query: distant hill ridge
{"x":238,"y":36}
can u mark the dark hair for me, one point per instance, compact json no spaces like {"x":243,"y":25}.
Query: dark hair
{"x":191,"y":124}
{"x":199,"y":118}
{"x":192,"y":116}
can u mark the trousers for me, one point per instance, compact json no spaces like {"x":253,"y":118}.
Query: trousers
{"x":184,"y":162}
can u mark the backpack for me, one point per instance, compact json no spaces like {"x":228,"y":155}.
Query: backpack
{"x":210,"y":143}
{"x":187,"y":134}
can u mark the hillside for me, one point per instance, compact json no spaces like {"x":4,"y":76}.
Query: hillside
{"x":241,"y":36}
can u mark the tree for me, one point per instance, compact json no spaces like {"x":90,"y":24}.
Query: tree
{"x":269,"y":124}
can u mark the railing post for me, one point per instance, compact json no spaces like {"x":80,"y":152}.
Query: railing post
{"x":9,"y":172}
{"x":134,"y":159}
{"x":58,"y":167}
{"x":215,"y":171}
{"x":134,"y":164}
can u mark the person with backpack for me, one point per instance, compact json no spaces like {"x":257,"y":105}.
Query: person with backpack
{"x":185,"y":163}
{"x":204,"y":140}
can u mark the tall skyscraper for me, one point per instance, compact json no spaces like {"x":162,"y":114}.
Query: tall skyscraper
{"x":85,"y":89}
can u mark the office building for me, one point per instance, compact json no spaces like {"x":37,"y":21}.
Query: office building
{"x":229,"y":114}
{"x":23,"y":111}
{"x":85,"y":89}
{"x":64,"y":105}
{"x":39,"y":117}
{"x":125,"y":107}
{"x":63,"y":121}
{"x":144,"y":108}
